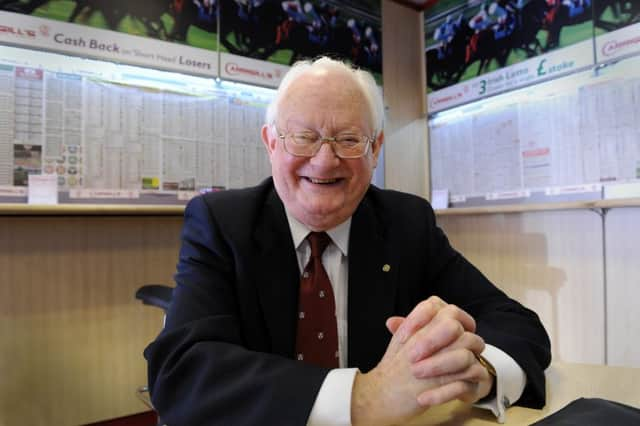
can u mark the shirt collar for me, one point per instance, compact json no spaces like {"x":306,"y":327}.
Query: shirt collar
{"x":339,"y":234}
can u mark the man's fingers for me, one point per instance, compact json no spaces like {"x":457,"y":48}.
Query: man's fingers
{"x":433,"y":338}
{"x":446,"y":369}
{"x":452,"y":311}
{"x":455,"y":390}
{"x":395,"y":345}
{"x":426,"y":311}
{"x":420,"y":316}
{"x":469,"y":341}
{"x":430,"y":310}
{"x":449,"y":363}
{"x":393,"y":323}
{"x":445,"y":331}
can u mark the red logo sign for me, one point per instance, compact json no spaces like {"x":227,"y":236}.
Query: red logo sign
{"x":232,"y":68}
{"x":18,"y":32}
{"x":611,"y":47}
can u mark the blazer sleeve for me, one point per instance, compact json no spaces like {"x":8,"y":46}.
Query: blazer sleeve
{"x":501,"y":321}
{"x":200,"y":369}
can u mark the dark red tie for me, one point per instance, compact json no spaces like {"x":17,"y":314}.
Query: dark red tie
{"x":317,"y":334}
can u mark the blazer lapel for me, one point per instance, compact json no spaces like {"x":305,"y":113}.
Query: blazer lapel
{"x":277,"y":275}
{"x":372,"y":289}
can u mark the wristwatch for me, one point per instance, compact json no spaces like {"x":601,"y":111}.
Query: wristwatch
{"x":492,"y":371}
{"x":486,"y":364}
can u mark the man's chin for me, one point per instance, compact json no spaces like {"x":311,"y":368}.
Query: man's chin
{"x":323,"y":218}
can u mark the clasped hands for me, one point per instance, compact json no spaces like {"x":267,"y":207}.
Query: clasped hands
{"x":430,"y":360}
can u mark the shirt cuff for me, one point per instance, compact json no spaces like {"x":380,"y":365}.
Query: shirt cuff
{"x":333,"y":403}
{"x":510,"y":382}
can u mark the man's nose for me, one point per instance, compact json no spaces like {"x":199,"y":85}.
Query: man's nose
{"x":326,"y":154}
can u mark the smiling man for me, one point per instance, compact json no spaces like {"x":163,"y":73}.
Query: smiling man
{"x":321,"y":184}
{"x":316,"y":298}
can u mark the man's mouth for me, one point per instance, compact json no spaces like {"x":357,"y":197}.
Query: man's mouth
{"x":322,"y":181}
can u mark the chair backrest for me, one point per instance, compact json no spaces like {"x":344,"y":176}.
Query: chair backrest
{"x":158,"y":295}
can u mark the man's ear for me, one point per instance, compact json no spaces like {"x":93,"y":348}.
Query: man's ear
{"x":269,"y":138}
{"x":375,"y":148}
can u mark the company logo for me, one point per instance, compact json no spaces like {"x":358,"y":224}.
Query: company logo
{"x":234,"y":69}
{"x":44,"y":30}
{"x":611,"y":47}
{"x":436,"y":102}
{"x":544,"y":69}
{"x":18,"y":32}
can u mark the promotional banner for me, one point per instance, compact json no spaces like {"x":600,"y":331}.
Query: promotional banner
{"x":76,"y":40}
{"x":468,"y":39}
{"x":534,"y":70}
{"x":273,"y":31}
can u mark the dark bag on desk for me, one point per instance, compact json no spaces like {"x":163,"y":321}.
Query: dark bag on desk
{"x":593,"y":412}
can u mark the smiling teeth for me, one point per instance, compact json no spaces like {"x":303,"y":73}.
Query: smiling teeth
{"x":322,"y":180}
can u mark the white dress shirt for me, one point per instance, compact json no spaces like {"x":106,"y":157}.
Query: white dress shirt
{"x":333,"y":403}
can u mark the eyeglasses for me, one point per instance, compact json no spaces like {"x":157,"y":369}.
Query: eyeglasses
{"x":308,"y":143}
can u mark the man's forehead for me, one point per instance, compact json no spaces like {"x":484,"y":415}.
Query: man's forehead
{"x":317,"y":94}
{"x":324,"y":80}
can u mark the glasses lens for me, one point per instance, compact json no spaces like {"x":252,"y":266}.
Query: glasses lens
{"x":306,"y":144}
{"x":350,"y":146}
{"x":303,"y":144}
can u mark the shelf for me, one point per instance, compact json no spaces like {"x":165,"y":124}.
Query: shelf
{"x":18,"y":209}
{"x":618,"y":202}
{"x":522,"y":208}
{"x":90,"y":210}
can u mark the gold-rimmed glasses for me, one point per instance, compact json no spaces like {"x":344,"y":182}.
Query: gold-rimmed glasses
{"x":307,"y":143}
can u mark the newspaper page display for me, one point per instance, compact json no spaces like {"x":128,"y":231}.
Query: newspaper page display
{"x":567,"y":137}
{"x":570,"y":138}
{"x":97,"y":132}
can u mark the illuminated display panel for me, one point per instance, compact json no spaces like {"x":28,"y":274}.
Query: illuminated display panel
{"x":572,"y":138}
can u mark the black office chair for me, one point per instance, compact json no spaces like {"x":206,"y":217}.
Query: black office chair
{"x":157,"y":295}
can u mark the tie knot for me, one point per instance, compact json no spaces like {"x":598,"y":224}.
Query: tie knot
{"x":318,"y":241}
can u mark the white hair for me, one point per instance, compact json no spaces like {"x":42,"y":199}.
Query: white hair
{"x":363,"y":79}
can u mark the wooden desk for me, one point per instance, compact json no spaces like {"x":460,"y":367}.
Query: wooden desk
{"x":565,"y":382}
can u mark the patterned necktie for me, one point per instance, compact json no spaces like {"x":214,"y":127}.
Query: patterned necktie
{"x":317,"y":334}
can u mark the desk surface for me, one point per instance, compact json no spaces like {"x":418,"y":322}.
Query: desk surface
{"x":565,"y":382}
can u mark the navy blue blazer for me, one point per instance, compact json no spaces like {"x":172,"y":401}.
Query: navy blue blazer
{"x":225,"y":356}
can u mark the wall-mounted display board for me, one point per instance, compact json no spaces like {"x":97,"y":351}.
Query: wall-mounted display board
{"x":243,"y":40}
{"x":33,"y":32}
{"x":110,"y":132}
{"x":534,"y":100}
{"x":498,"y":45}
{"x":573,"y":138}
{"x":120,"y":133}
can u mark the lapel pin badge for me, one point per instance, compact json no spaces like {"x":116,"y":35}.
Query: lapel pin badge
{"x":386,"y":267}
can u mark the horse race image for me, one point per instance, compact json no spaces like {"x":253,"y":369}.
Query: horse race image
{"x":465,"y":39}
{"x":273,"y":30}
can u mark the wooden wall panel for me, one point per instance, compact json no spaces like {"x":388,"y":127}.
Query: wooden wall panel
{"x":550,"y":262}
{"x":623,"y":286}
{"x":406,"y":155}
{"x":72,"y":333}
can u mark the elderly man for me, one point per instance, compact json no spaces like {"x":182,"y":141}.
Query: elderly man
{"x":316,"y":298}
